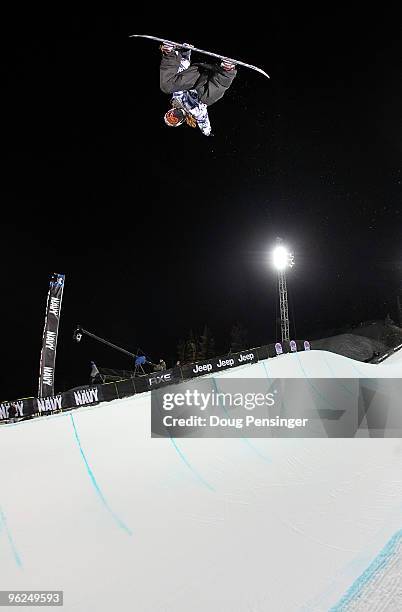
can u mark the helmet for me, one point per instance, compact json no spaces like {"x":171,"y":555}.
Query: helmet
{"x":174,"y":117}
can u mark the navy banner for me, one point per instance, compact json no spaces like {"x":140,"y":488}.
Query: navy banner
{"x":50,"y":333}
{"x":15,"y":410}
{"x":81,"y":396}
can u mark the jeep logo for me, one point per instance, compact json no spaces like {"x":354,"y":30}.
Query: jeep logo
{"x":248,"y":357}
{"x":202,"y":368}
{"x":225,"y":363}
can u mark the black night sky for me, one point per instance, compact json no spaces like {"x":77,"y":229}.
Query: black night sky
{"x":160,"y":230}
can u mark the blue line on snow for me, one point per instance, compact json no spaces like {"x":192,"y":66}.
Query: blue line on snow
{"x":330,"y":368}
{"x":3,"y":523}
{"x":95,"y":484}
{"x":245,"y":440}
{"x":313,"y":387}
{"x":378,"y":564}
{"x":184,"y":458}
{"x":190,"y":467}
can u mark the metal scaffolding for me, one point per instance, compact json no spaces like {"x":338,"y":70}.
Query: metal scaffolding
{"x":282,"y":260}
{"x":283,"y":305}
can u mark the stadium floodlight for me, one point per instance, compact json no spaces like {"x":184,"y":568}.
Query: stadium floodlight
{"x":281,"y":258}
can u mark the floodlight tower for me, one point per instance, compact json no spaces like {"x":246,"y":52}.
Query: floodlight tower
{"x":282,"y":260}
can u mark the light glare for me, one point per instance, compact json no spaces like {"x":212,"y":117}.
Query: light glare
{"x":280,"y":258}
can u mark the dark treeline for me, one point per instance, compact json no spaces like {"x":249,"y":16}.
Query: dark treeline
{"x":200,"y":346}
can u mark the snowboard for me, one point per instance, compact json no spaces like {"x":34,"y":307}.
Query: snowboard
{"x":187,"y":46}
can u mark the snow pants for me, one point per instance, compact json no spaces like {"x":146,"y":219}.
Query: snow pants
{"x":210,"y":81}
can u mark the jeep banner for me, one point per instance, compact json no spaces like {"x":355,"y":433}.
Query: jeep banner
{"x":221,"y":363}
{"x":50,"y":333}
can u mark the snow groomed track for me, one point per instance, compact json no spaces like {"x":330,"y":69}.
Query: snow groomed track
{"x":90,"y":504}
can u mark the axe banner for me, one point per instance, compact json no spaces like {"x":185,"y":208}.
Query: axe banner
{"x":50,"y":333}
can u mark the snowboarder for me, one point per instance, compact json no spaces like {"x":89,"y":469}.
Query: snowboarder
{"x":194,"y":87}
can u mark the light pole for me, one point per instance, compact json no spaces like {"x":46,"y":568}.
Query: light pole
{"x":282,"y":260}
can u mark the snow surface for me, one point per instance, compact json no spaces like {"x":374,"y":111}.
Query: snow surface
{"x":394,"y":358}
{"x":90,"y":504}
{"x":350,"y":345}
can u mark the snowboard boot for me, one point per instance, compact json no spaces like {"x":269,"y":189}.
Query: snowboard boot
{"x":186,"y":54}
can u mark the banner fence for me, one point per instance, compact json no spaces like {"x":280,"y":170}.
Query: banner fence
{"x":90,"y":395}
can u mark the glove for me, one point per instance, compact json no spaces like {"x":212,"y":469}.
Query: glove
{"x":226,"y":65}
{"x":191,"y":121}
{"x":166,"y":47}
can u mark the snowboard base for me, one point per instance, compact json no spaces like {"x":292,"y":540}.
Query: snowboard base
{"x":187,"y":46}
